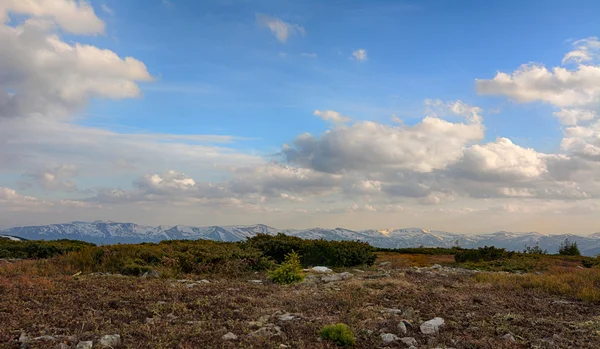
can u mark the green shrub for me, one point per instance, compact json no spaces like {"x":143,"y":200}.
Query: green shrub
{"x":482,"y":254}
{"x":289,"y":271}
{"x":568,"y":248}
{"x":423,"y":250}
{"x":39,"y":249}
{"x":340,"y":334}
{"x":314,"y":252}
{"x":534,"y":250}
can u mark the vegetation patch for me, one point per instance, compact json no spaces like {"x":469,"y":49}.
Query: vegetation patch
{"x":289,"y":271}
{"x":314,"y":252}
{"x":340,"y":334}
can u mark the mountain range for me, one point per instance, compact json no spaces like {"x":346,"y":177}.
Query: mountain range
{"x":106,"y":232}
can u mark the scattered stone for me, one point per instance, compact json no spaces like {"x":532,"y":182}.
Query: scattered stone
{"x":401,"y":327}
{"x":509,"y":337}
{"x":110,"y":340}
{"x":269,"y":330}
{"x":45,"y":338}
{"x":255,"y":281}
{"x":190,"y":285}
{"x":579,"y":267}
{"x":391,"y":310}
{"x":255,"y":324}
{"x":436,"y":266}
{"x":321,"y":270}
{"x":23,"y":338}
{"x":389,"y":337}
{"x":63,"y":346}
{"x":409,"y":341}
{"x":229,"y":337}
{"x":407,"y":323}
{"x":84,"y":345}
{"x":151,"y":320}
{"x":286,"y":317}
{"x":203,"y":281}
{"x":432,"y":326}
{"x":383,"y":264}
{"x":337,"y":277}
{"x":358,"y":271}
{"x":283,"y":346}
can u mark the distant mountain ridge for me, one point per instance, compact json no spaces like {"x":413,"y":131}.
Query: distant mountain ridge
{"x":106,"y":232}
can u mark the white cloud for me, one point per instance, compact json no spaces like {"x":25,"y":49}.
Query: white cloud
{"x":55,"y":178}
{"x":585,"y":50}
{"x":76,"y":17}
{"x":360,"y":55}
{"x":369,"y":146}
{"x":332,"y":116}
{"x":574,"y":116}
{"x":282,"y":30}
{"x":559,"y":86}
{"x":53,"y":78}
{"x":503,"y":159}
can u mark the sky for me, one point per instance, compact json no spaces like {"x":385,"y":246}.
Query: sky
{"x":464,"y":116}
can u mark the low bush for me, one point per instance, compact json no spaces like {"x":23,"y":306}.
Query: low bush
{"x":289,"y":271}
{"x":340,"y":334}
{"x":424,"y":250}
{"x":39,"y":249}
{"x":314,"y":252}
{"x":482,"y":254}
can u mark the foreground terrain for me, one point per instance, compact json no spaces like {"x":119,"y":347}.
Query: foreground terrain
{"x":215,"y":310}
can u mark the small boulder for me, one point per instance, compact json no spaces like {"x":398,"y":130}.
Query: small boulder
{"x":84,"y":345}
{"x":230,"y":336}
{"x":392,"y":311}
{"x":336,"y":277}
{"x":389,"y":337}
{"x":409,"y":341}
{"x":203,"y":281}
{"x":383,"y":264}
{"x":267,"y":331}
{"x":110,"y":340}
{"x":23,"y":338}
{"x":432,"y":326}
{"x":255,"y":281}
{"x":322,"y":270}
{"x":509,"y":337}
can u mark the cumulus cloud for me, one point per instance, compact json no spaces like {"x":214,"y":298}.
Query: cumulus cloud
{"x":432,"y":144}
{"x":360,"y":55}
{"x":502,"y":159}
{"x":558,"y":86}
{"x":574,"y":116}
{"x":44,"y":75}
{"x":282,"y":30}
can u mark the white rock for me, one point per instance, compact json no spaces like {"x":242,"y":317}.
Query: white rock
{"x":410,"y":341}
{"x":229,"y":337}
{"x":509,"y":337}
{"x":203,"y":281}
{"x":286,"y":317}
{"x":322,"y":270}
{"x":110,"y":340}
{"x":432,"y":326}
{"x":389,"y":337}
{"x":84,"y":345}
{"x":255,"y":281}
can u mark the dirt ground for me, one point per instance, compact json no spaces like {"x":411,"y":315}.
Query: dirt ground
{"x":166,"y":313}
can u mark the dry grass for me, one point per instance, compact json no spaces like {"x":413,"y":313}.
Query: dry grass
{"x":41,"y":299}
{"x":580,"y":284}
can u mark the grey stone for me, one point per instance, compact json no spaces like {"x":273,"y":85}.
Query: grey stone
{"x":255,"y":281}
{"x":230,"y":336}
{"x":286,"y":317}
{"x":409,"y":341}
{"x":84,"y":345}
{"x":432,"y":326}
{"x":267,"y":331}
{"x":389,"y":337}
{"x":110,"y":340}
{"x":321,"y":270}
{"x":509,"y":337}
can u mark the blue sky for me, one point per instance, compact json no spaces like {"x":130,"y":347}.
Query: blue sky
{"x":217,"y":117}
{"x":219,"y":73}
